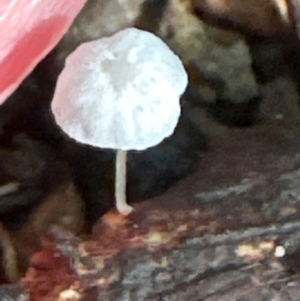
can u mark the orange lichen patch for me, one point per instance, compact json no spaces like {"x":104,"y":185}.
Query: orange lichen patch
{"x":158,"y":238}
{"x":116,"y":232}
{"x":49,"y":275}
{"x":252,"y":251}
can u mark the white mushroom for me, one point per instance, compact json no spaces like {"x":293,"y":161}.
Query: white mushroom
{"x":120,"y":92}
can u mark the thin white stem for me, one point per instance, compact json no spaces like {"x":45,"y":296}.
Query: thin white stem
{"x":120,"y":188}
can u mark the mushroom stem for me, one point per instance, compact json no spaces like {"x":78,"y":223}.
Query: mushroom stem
{"x":120,"y":188}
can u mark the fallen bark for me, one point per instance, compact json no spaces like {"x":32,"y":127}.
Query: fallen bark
{"x":230,"y":231}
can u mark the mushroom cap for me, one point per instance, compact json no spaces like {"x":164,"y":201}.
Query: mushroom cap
{"x":120,"y":92}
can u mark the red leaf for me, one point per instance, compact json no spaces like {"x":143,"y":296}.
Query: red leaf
{"x":29,"y":29}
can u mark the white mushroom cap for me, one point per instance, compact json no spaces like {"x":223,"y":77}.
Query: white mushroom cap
{"x":120,"y":92}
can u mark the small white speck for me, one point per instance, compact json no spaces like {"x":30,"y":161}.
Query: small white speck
{"x":279,"y":251}
{"x":69,"y":294}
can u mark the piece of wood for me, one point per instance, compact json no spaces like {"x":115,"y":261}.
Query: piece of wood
{"x":214,"y":236}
